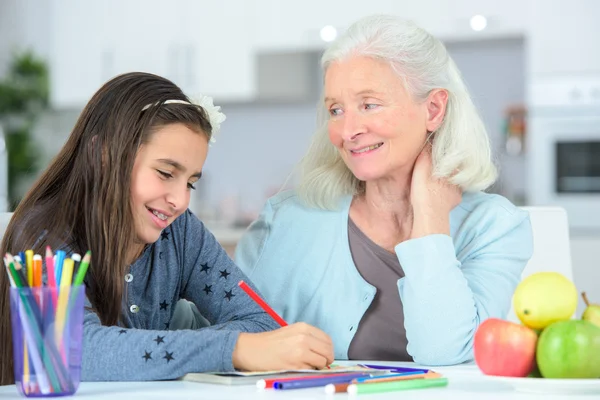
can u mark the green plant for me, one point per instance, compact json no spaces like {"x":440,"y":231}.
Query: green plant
{"x":24,"y":94}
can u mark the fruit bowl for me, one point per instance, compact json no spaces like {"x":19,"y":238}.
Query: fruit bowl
{"x":550,"y":350}
{"x":550,"y":386}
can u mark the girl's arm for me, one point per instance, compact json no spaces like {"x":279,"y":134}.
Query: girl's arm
{"x":119,"y":354}
{"x":210,"y":280}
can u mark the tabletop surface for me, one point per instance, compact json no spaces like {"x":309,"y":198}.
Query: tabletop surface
{"x":465,"y":382}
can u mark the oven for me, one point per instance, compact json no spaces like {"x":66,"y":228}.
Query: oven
{"x":563,"y":148}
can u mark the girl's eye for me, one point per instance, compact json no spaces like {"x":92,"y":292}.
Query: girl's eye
{"x":191,"y":186}
{"x":164,"y":174}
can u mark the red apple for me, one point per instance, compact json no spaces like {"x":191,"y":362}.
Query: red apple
{"x":504,"y":348}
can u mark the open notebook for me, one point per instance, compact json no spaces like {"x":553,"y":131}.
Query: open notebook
{"x":250,"y":378}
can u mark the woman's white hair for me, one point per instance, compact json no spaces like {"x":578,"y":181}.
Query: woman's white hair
{"x":461,"y":149}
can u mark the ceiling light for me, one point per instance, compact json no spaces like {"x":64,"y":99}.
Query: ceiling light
{"x":328,"y":33}
{"x":478,"y":22}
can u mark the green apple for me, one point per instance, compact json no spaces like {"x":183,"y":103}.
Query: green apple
{"x":569,"y":349}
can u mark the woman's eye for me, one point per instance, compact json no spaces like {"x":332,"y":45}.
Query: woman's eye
{"x":371,"y":106}
{"x":191,"y":186}
{"x":335,"y":111}
{"x":164,"y":174}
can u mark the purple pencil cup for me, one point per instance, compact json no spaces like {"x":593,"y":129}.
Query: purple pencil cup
{"x":47,"y":339}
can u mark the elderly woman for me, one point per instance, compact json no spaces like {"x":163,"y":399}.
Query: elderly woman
{"x":389,"y":243}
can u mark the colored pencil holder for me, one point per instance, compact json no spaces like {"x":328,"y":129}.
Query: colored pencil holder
{"x":47,"y":333}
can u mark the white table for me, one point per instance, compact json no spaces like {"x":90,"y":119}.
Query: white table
{"x":465,"y":382}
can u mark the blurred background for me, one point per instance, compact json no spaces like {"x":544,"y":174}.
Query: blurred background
{"x":533,"y":68}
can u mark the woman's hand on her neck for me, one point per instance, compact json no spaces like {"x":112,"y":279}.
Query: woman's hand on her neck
{"x":431,"y":198}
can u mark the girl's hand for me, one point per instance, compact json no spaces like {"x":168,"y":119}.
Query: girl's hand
{"x":432,"y":199}
{"x":296,"y":346}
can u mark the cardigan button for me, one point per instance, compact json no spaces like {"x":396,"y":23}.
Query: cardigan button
{"x":128,"y":278}
{"x":134,"y":309}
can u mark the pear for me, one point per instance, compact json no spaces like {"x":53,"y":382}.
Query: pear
{"x":592,"y":311}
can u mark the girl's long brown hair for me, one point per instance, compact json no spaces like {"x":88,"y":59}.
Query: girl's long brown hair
{"x":82,"y":200}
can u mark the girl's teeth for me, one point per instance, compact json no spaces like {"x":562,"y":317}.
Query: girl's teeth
{"x":159,"y":215}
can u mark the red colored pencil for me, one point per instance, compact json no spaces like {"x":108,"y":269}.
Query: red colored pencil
{"x":261,"y":303}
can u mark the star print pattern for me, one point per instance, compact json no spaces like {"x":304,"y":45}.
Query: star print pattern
{"x":192,"y":266}
{"x":168,"y":356}
{"x":207,"y":289}
{"x":224,"y":274}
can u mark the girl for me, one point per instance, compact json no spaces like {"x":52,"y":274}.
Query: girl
{"x":120,"y":187}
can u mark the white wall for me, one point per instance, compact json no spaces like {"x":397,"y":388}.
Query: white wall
{"x":564,"y":37}
{"x":286,"y":24}
{"x":24,"y":24}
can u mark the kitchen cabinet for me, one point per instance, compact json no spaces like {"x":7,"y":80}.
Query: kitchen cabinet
{"x":204,"y":47}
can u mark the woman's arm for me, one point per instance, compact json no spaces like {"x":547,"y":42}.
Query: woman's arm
{"x":446,"y":300}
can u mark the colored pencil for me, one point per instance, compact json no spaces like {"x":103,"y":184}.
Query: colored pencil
{"x":58,"y":265}
{"x":398,"y":377}
{"x":29,"y":274}
{"x":19,"y":268}
{"x":342,"y":387}
{"x":364,"y":388}
{"x":51,"y":276}
{"x":21,"y":257}
{"x":392,"y":368}
{"x":315,"y":382}
{"x":83,"y":267}
{"x":29,"y":266}
{"x":76,"y":261}
{"x":261,"y":303}
{"x":18,"y":278}
{"x":37,"y":270}
{"x":10,"y":277}
{"x":63,"y":298}
{"x":268,"y":383}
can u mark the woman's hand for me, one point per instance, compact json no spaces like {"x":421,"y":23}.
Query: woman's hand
{"x":432,"y":199}
{"x":297,"y":346}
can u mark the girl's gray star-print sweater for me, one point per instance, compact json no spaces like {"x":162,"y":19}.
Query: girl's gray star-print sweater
{"x":186,"y":262}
